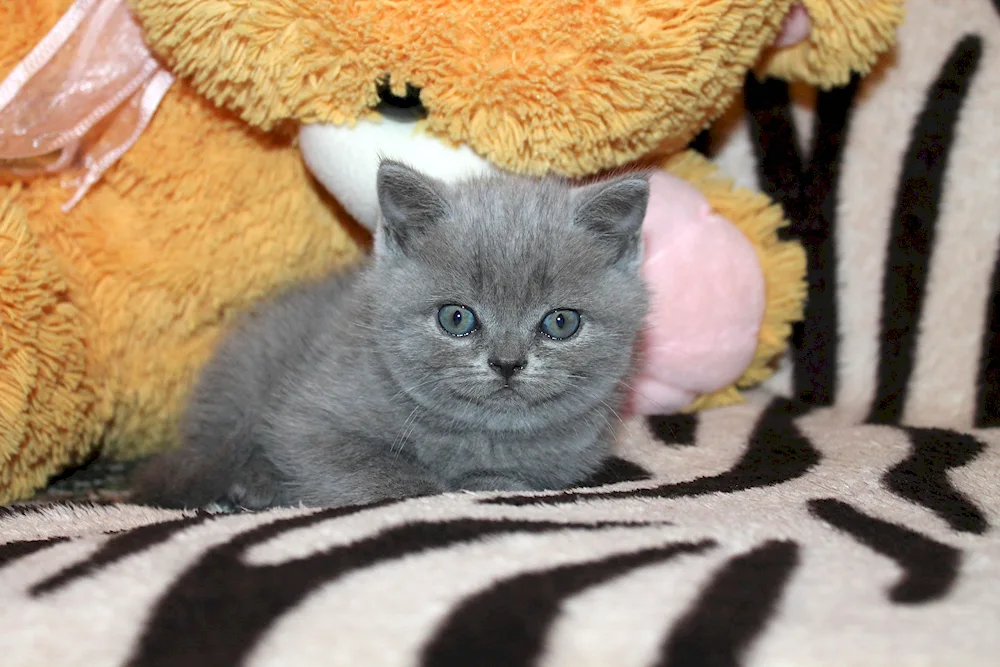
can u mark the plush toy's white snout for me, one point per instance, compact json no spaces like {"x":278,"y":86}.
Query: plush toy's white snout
{"x":345,"y":159}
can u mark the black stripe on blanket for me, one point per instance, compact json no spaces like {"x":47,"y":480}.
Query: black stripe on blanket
{"x":988,"y":381}
{"x":808,"y":197}
{"x":617,"y":470}
{"x":988,"y":386}
{"x":118,"y":547}
{"x":214,"y":614}
{"x":12,"y":551}
{"x":779,"y":164}
{"x":733,"y":609}
{"x":922,"y":477}
{"x":929,"y":567}
{"x":777,"y":452}
{"x":911,"y":239}
{"x":510,"y":620}
{"x":988,"y":403}
{"x":675,"y":430}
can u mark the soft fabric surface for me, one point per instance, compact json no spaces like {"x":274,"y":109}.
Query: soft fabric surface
{"x":528,"y":85}
{"x":107,"y":312}
{"x":853,"y":524}
{"x":767,"y":536}
{"x":893,"y":187}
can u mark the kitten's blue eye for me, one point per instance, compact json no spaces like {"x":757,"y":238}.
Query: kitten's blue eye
{"x":560,"y":324}
{"x":457,"y":320}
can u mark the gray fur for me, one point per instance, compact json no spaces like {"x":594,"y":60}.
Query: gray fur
{"x":349,"y":391}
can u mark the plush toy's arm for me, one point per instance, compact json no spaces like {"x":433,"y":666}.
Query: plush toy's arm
{"x":826,"y":41}
{"x":724,"y":289}
{"x":49,"y":414}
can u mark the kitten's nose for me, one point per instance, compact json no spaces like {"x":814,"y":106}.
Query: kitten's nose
{"x":507,"y":368}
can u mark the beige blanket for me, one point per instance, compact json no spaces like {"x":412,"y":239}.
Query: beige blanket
{"x":762,"y":537}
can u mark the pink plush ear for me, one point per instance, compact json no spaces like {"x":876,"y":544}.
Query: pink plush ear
{"x":796,"y":27}
{"x":707,"y":300}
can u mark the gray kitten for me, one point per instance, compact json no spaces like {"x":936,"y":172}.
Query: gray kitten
{"x":483,"y":348}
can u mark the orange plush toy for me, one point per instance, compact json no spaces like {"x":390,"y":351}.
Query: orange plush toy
{"x":190,"y":133}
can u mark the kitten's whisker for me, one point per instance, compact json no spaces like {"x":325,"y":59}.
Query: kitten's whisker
{"x":468,"y":406}
{"x":423,"y":380}
{"x":366,"y":327}
{"x":403,"y":432}
{"x":405,"y":438}
{"x":603,"y":402}
{"x":428,"y":378}
{"x":625,"y":426}
{"x":410,"y":423}
{"x":628,"y":385}
{"x":614,"y":412}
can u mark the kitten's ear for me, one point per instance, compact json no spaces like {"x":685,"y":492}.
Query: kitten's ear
{"x":410,"y":203}
{"x":614,"y":210}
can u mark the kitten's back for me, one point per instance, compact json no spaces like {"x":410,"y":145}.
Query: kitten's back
{"x":217,"y":428}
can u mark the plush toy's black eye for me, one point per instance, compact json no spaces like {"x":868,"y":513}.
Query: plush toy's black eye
{"x":407,"y":107}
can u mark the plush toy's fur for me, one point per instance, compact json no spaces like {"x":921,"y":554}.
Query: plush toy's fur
{"x":107,"y":312}
{"x":571,"y":87}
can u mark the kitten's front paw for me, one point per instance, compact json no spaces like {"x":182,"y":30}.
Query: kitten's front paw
{"x":488,"y":481}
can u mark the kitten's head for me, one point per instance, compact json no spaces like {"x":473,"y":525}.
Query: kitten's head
{"x":508,"y":302}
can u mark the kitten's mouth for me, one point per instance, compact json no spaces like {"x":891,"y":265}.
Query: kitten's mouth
{"x":507,"y":392}
{"x":508,"y":395}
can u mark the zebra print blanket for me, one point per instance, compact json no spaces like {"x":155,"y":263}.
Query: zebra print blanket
{"x":764,"y":534}
{"x":846,"y":515}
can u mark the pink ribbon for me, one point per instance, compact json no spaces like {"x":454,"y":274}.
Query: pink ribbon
{"x":81,"y":98}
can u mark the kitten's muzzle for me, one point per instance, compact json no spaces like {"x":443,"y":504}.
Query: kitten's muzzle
{"x":507,"y":369}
